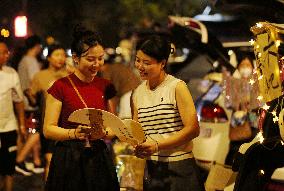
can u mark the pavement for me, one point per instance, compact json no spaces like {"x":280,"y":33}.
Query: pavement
{"x":28,"y":183}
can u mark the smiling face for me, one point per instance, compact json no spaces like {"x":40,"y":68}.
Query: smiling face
{"x":90,"y":62}
{"x":149,"y":68}
{"x":57,"y":58}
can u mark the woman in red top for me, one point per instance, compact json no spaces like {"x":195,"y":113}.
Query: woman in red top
{"x":74,"y":166}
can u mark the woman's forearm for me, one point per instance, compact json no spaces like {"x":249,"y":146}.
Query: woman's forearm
{"x":59,"y":134}
{"x":180,"y":138}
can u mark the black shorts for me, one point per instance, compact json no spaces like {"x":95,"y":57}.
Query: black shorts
{"x":8,"y":152}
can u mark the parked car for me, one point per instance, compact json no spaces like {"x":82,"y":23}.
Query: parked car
{"x":204,"y":57}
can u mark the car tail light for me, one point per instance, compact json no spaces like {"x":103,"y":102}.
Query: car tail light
{"x":212,"y":112}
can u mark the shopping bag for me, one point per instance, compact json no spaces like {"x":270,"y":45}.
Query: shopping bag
{"x":219,"y":177}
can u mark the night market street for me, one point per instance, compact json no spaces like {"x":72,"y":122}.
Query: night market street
{"x":180,"y":95}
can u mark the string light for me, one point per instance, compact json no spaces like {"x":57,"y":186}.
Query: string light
{"x":260,"y":28}
{"x":277,"y":43}
{"x":273,"y":113}
{"x":265,"y":106}
{"x":252,"y":41}
{"x":251,"y":81}
{"x":261,"y":172}
{"x":259,"y":25}
{"x":259,"y":98}
{"x":275,"y":119}
{"x":260,"y":137}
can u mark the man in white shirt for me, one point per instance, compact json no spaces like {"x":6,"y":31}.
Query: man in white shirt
{"x":10,"y":95}
{"x":27,"y":68}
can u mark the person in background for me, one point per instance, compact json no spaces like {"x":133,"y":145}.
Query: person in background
{"x":10,"y":92}
{"x":38,"y":91}
{"x":29,"y":64}
{"x":124,"y":81}
{"x":162,"y":104}
{"x":27,"y":68}
{"x":243,"y":125}
{"x":73,"y":165}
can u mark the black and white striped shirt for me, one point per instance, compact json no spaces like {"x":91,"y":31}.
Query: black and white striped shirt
{"x":158,"y":114}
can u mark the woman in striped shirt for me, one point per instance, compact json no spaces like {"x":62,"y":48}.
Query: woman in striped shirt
{"x":163,"y":105}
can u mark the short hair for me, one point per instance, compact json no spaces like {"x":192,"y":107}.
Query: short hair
{"x":54,"y":47}
{"x":155,"y":46}
{"x":32,"y":41}
{"x":81,"y":37}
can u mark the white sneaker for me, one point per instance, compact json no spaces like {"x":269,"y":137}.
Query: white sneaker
{"x":38,"y":169}
{"x":21,"y":168}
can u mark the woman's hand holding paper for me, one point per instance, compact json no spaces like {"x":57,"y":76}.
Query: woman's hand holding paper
{"x":92,"y":133}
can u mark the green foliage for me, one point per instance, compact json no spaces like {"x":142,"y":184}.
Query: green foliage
{"x":133,"y":11}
